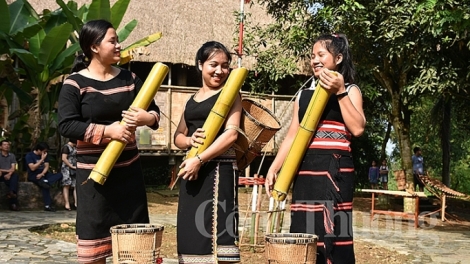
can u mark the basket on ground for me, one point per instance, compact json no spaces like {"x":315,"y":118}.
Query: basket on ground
{"x":136,"y":243}
{"x":258,"y":125}
{"x":287,"y":248}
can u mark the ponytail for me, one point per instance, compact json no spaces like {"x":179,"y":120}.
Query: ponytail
{"x":81,"y":62}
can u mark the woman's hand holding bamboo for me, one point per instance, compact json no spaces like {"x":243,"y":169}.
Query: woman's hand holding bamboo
{"x":192,"y":165}
{"x":332,"y":81}
{"x":271,"y":177}
{"x":136,"y":116}
{"x":191,"y":168}
{"x":197,"y":138}
{"x":118,"y":132}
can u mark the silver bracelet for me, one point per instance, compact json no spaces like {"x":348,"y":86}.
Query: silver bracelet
{"x":197,"y":156}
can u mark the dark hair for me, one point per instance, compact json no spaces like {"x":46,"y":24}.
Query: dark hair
{"x":416,"y":149}
{"x":207,"y":49}
{"x":41,"y":146}
{"x":91,"y":33}
{"x":73,"y":140}
{"x":338,"y":44}
{"x":4,"y":140}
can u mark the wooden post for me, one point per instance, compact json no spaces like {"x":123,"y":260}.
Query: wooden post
{"x":409,"y":205}
{"x":258,"y":208}
{"x":372,"y":208}
{"x":416,"y":213}
{"x":247,"y":174}
{"x":443,"y":207}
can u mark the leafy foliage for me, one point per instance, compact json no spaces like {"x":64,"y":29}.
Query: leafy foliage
{"x":406,"y":53}
{"x":44,"y":47}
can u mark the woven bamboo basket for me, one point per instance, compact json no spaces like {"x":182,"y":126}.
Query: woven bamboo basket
{"x":290,"y":248}
{"x":136,"y":243}
{"x":258,"y":125}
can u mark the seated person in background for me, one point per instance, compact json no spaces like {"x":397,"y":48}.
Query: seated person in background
{"x":38,"y":173}
{"x":7,"y":173}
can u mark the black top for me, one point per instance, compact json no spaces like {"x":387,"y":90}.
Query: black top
{"x":196,"y":113}
{"x":86,"y":104}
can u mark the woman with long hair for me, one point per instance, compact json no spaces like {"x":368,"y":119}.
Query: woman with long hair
{"x":92,"y":102}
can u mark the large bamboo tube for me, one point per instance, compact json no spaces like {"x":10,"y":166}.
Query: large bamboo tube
{"x":300,"y":144}
{"x":219,"y":111}
{"x":143,"y":99}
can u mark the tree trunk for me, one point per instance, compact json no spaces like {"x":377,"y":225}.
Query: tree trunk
{"x":445,"y":141}
{"x":401,"y":125}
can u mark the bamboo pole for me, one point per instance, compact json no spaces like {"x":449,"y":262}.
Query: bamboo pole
{"x":258,"y":213}
{"x":281,"y":216}
{"x":253,"y":212}
{"x":270,"y":215}
{"x":301,"y":141}
{"x":143,"y":99}
{"x":219,"y":112}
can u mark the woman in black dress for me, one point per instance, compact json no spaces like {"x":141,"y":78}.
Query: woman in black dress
{"x":207,"y":224}
{"x":93,"y":99}
{"x":323,"y":188}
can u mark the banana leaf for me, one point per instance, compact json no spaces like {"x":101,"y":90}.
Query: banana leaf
{"x":126,"y":30}
{"x":4,"y":17}
{"x":145,"y":41}
{"x":70,"y":14}
{"x":99,"y":9}
{"x":117,"y":12}
{"x":53,"y":43}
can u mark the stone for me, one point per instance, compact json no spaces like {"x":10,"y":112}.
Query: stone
{"x":30,"y":196}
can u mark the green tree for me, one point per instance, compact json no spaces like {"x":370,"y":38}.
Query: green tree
{"x":446,"y":72}
{"x":394,"y":43}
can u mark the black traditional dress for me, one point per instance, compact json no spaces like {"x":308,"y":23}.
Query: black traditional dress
{"x":86,"y":106}
{"x":207,"y":221}
{"x":323,"y":188}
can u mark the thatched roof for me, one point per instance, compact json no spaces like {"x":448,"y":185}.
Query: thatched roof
{"x":185,"y":25}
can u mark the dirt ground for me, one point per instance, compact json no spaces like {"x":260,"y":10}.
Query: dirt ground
{"x":166,"y":203}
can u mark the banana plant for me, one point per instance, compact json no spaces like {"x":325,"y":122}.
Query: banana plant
{"x":46,"y":58}
{"x":101,"y":9}
{"x":38,"y":44}
{"x":43,"y":47}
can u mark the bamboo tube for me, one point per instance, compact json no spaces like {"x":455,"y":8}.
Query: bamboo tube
{"x":143,"y":99}
{"x":219,"y":112}
{"x":258,"y":213}
{"x":270,"y":215}
{"x":282,"y":210}
{"x":301,"y":141}
{"x":253,"y":212}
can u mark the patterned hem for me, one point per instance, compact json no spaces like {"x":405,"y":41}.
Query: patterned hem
{"x":228,"y":253}
{"x":93,"y":250}
{"x":202,"y":259}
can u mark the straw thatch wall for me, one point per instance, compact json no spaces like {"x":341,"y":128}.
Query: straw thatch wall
{"x":185,"y":25}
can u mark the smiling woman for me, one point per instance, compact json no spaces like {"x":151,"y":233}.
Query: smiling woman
{"x":93,"y":99}
{"x":324,"y":184}
{"x":207,"y":209}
